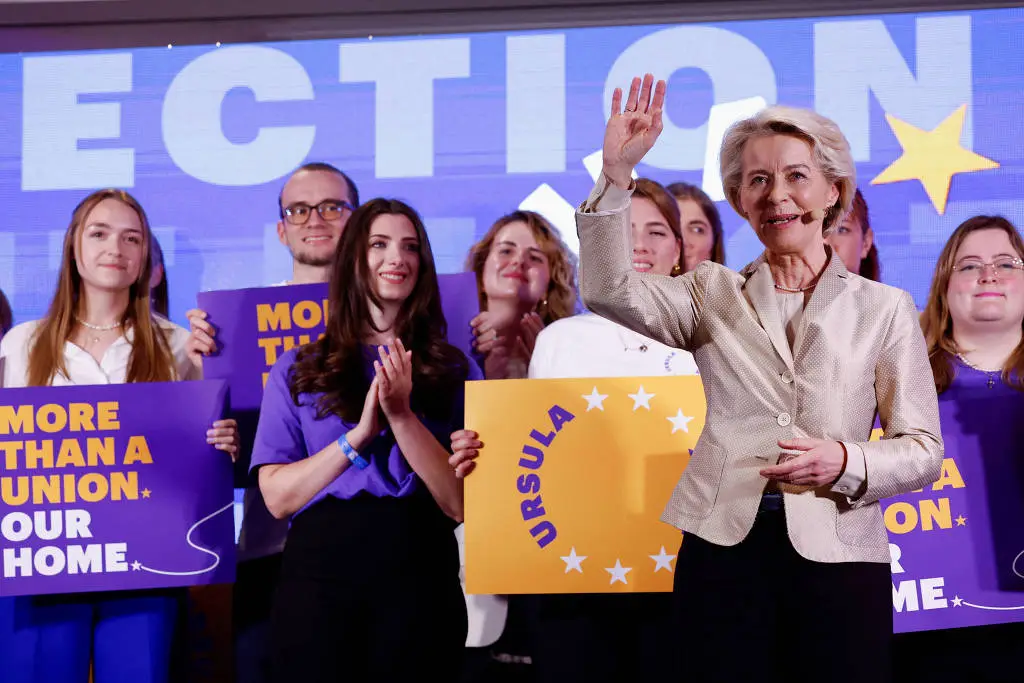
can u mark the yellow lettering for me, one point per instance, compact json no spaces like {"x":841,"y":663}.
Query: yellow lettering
{"x":69,"y":488}
{"x":101,"y":451}
{"x":7,"y":493}
{"x":10,"y":449}
{"x":265,"y":376}
{"x":106,"y":417}
{"x":269,"y":346}
{"x":326,"y":308}
{"x":48,"y":487}
{"x":932,"y":514}
{"x":36,"y":451}
{"x":289,"y":342}
{"x":52,"y":418}
{"x":93,"y":487}
{"x":892,"y":517}
{"x":273,"y":318}
{"x":80,"y":416}
{"x":950,"y":476}
{"x":138,"y":451}
{"x":70,"y":454}
{"x":16,"y":421}
{"x":307,"y":314}
{"x":124,"y":485}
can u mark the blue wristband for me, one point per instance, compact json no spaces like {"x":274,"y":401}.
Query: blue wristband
{"x":352,"y":454}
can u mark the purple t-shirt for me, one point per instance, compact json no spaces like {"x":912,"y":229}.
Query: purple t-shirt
{"x":288,"y":433}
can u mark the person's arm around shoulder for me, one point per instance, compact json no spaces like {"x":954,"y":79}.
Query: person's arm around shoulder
{"x":663,"y":308}
{"x":910,"y":454}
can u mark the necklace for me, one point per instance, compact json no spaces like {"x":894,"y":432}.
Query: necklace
{"x":794,"y":291}
{"x":990,"y":373}
{"x":98,"y":328}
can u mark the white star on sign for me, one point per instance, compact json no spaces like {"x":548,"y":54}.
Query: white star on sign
{"x":618,"y":572}
{"x":595,"y":400}
{"x":680,"y":421}
{"x":136,"y":565}
{"x":573,"y":561}
{"x":662,"y":560}
{"x":642,"y":398}
{"x":957,"y":601}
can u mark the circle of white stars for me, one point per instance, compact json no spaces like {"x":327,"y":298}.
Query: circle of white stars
{"x":662,"y":560}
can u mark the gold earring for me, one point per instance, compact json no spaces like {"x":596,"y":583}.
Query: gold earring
{"x":676,"y":269}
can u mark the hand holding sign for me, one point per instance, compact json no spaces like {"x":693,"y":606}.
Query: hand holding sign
{"x":466,"y":447}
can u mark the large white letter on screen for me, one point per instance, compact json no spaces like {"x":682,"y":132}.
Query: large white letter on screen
{"x":53,"y":121}
{"x":853,"y":59}
{"x":192,"y":116}
{"x":737,"y":68}
{"x":535,"y":103}
{"x":404,"y":72}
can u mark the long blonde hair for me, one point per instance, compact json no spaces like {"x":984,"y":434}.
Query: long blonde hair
{"x":936,"y":321}
{"x":560,"y":299}
{"x":151,"y":359}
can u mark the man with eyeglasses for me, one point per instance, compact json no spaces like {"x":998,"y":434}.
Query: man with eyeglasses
{"x":313,"y":207}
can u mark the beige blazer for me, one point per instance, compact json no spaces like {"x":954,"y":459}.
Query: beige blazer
{"x":858,"y":350}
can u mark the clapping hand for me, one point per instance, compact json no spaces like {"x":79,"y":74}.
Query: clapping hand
{"x":394,"y":375}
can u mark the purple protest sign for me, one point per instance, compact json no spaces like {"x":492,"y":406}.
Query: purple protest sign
{"x":958,"y":545}
{"x":113,"y":488}
{"x":254,"y":326}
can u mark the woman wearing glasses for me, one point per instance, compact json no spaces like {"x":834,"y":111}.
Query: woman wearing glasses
{"x":973,"y":324}
{"x":99,"y":330}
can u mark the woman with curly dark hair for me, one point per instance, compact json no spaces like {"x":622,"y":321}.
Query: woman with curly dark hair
{"x":349,"y":446}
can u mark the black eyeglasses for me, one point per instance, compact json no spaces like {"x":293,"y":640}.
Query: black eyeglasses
{"x":329,"y":210}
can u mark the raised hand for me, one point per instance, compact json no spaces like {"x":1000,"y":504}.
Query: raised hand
{"x":631,"y":132}
{"x":394,"y":370}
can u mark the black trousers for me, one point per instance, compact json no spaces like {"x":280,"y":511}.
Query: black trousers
{"x":252,"y":601}
{"x":603,"y":638}
{"x":369,"y":591}
{"x":758,"y":611}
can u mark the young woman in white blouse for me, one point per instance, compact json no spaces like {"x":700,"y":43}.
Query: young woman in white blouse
{"x":622,"y":636}
{"x":99,"y":330}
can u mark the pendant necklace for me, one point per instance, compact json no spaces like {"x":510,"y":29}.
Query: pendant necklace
{"x":97,"y":328}
{"x":991,"y":374}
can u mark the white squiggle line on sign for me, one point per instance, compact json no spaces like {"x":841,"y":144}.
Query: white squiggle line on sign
{"x":998,"y":609}
{"x":1015,"y":561}
{"x":188,"y":539}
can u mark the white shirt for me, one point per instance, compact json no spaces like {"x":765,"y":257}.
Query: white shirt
{"x":588,"y":345}
{"x":82,"y":368}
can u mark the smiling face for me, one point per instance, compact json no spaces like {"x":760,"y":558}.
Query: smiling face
{"x":313,"y":242}
{"x":781,"y":185}
{"x":698,"y":235}
{"x":985,"y":290}
{"x":516,"y":266}
{"x":655,"y":247}
{"x":111,"y":246}
{"x":851,"y":242}
{"x":393,"y":257}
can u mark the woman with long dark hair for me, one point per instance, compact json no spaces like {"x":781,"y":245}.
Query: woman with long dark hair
{"x":349,"y":446}
{"x":99,"y":329}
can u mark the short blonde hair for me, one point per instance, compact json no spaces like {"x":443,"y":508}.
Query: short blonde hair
{"x":828,"y":145}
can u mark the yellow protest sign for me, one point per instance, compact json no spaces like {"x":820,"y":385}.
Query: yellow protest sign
{"x":571,"y":482}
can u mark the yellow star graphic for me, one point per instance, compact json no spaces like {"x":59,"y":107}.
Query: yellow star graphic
{"x":145,"y":493}
{"x":961,"y":521}
{"x":932,"y":157}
